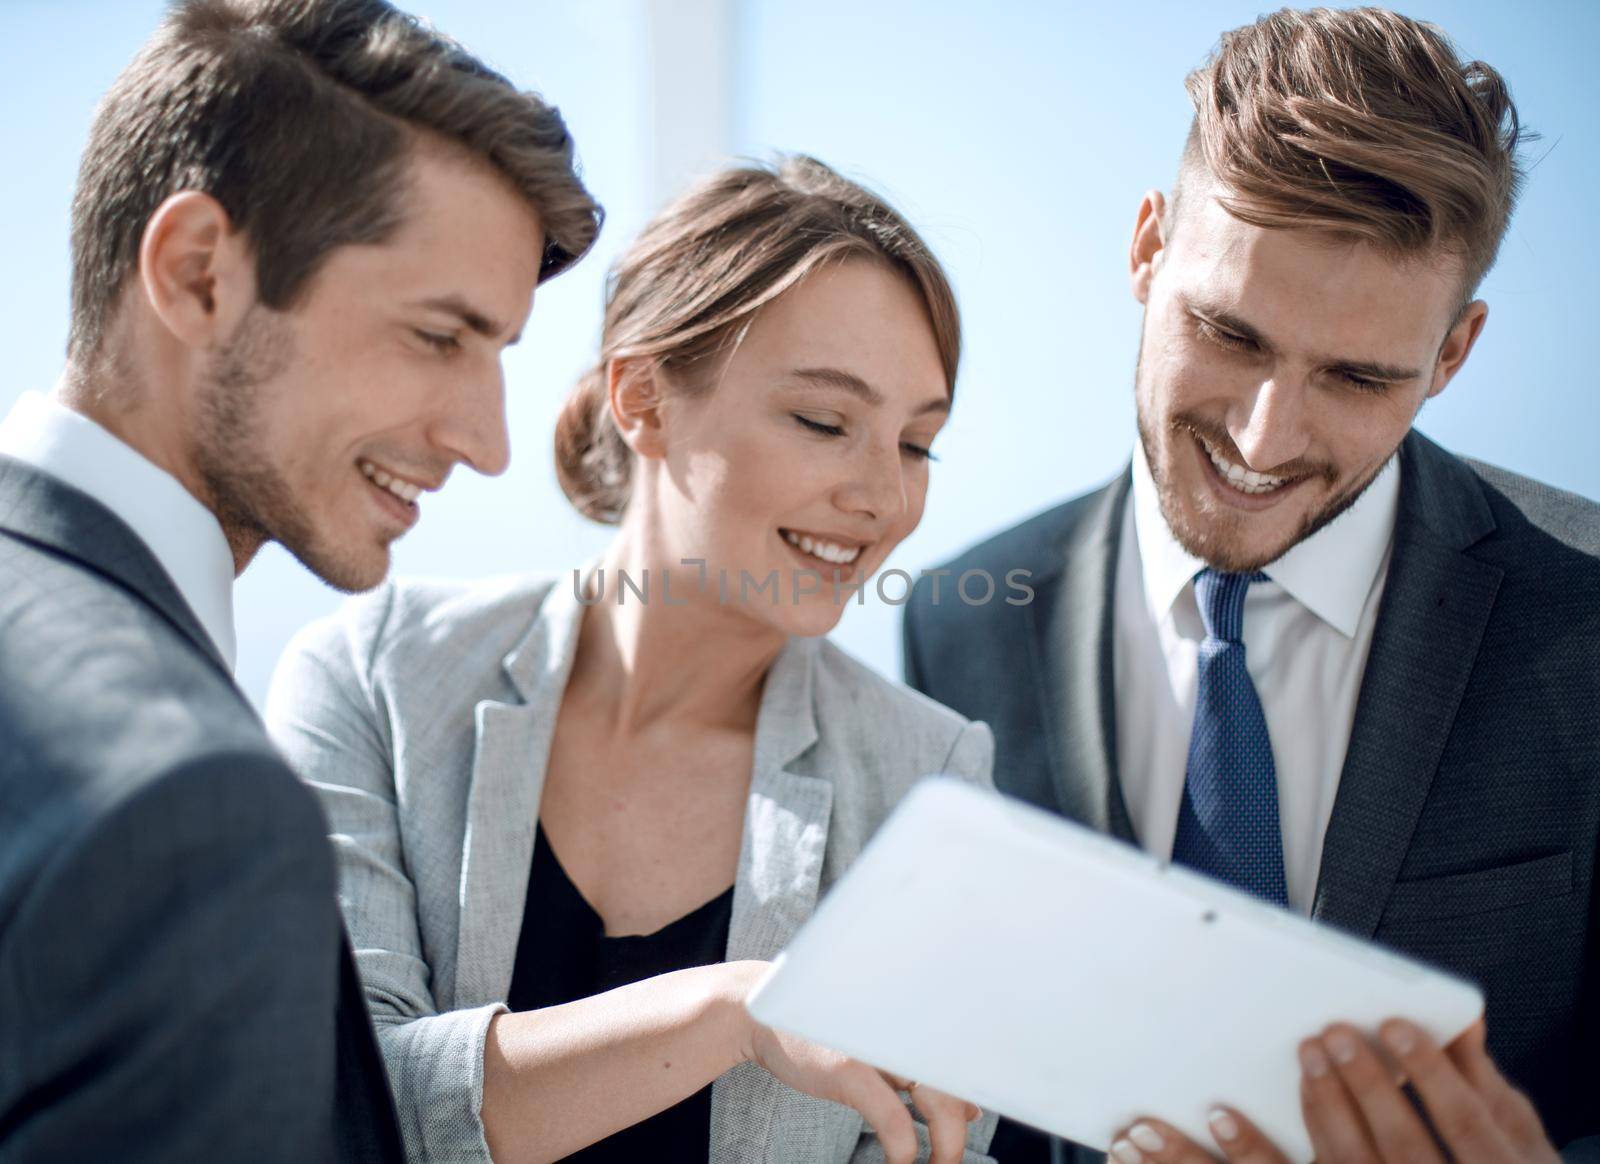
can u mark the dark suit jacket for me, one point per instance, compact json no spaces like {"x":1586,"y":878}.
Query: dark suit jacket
{"x":1465,"y":825}
{"x":174,"y":980}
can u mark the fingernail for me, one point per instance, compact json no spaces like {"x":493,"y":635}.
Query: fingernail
{"x":1401,"y":1038}
{"x":974,"y":1112}
{"x":1341,"y":1046}
{"x":1313,"y":1060}
{"x":1147,"y":1138}
{"x":1226,"y":1127}
{"x":1127,"y":1153}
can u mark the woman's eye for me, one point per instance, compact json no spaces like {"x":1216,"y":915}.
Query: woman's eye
{"x":817,"y":426}
{"x":920,"y":452}
{"x":437,"y":341}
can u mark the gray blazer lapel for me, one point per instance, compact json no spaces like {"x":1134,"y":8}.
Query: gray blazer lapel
{"x":780,"y":870}
{"x":42,"y":510}
{"x":1072,"y":654}
{"x":1436,"y":604}
{"x":510,"y":758}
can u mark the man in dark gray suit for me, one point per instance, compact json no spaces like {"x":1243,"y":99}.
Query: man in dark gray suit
{"x":1299,"y":646}
{"x":302,"y":236}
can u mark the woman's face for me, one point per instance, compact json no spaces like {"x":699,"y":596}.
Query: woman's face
{"x":798,"y":474}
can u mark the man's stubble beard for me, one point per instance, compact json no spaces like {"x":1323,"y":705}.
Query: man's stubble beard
{"x":1215,"y":546}
{"x":249,"y":494}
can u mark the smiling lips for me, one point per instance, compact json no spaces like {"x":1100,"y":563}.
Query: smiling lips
{"x":1243,"y":479}
{"x":406,"y":491}
{"x":836,"y":553}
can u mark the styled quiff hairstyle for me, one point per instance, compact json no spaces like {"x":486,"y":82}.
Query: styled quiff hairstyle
{"x":683,"y":295}
{"x":1361,"y":123}
{"x":299,"y":117}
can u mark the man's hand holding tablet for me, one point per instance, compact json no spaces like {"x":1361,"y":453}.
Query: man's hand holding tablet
{"x":1137,"y":991}
{"x":1356,"y":1111}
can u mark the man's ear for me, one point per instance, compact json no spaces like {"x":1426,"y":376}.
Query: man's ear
{"x":1458,"y":345}
{"x":1149,"y":240}
{"x":633,"y":390}
{"x":195,"y":270}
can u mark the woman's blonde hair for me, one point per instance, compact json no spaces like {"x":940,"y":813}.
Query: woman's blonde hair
{"x":684,"y":293}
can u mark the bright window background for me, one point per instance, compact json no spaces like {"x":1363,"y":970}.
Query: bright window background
{"x":1018,"y":135}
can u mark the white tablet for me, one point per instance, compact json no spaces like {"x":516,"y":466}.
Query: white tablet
{"x":1070,"y":981}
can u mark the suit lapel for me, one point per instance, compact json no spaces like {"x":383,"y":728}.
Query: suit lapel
{"x":510,"y":759}
{"x":780,"y":870}
{"x":1436,"y":604}
{"x":1071,"y":656}
{"x":39,"y":509}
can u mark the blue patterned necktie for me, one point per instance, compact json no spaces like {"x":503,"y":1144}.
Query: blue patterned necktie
{"x":1228,"y":822}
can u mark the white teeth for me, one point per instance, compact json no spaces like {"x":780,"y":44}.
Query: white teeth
{"x":1242,"y":479}
{"x":404,"y":490}
{"x":827,"y":551}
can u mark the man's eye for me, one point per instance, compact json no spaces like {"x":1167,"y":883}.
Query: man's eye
{"x":439,"y":342}
{"x":1362,"y":384}
{"x":1223,"y":339}
{"x":817,"y":426}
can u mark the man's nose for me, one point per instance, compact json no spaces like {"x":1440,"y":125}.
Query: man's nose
{"x":1269,"y":428}
{"x":472,"y":427}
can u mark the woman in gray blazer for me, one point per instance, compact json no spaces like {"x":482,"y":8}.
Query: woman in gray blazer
{"x":660,"y":747}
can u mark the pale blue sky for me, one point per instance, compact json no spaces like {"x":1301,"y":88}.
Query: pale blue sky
{"x":1018,"y":135}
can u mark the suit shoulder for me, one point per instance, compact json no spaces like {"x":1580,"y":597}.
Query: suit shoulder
{"x":93,"y":678}
{"x":888,"y":733}
{"x":1012,"y":560}
{"x":1531,"y":511}
{"x":414,"y":617}
{"x":204,"y":810}
{"x":1028,"y":543}
{"x":855,"y":691}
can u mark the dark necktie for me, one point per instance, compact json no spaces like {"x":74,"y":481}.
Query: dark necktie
{"x":1228,"y":822}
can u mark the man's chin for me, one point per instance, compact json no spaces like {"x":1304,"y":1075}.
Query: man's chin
{"x":1231,"y":550}
{"x":348,"y":573}
{"x":1239,"y":543}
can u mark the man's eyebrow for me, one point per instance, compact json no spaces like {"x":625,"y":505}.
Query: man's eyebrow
{"x":475,"y":319}
{"x":857,"y":387}
{"x":1368,"y":370}
{"x":1360,"y":369}
{"x":1224,"y":319}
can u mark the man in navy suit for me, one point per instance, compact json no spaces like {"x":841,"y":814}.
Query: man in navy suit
{"x":1297,"y":645}
{"x":303,"y":235}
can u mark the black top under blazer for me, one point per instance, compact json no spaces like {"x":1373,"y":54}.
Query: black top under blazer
{"x":1465,"y":824}
{"x":174,"y":979}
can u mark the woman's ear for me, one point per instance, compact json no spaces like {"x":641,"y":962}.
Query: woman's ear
{"x":633,"y":391}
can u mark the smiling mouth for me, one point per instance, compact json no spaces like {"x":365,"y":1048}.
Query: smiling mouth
{"x":1239,"y":477}
{"x":825,"y":550}
{"x":406,"y":491}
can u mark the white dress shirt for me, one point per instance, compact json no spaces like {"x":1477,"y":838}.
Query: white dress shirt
{"x":183,"y":535}
{"x":1307,"y":632}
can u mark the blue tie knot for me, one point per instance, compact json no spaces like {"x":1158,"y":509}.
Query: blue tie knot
{"x":1221,"y":599}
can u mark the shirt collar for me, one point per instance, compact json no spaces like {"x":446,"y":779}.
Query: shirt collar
{"x":1331,"y":573}
{"x":183,"y":535}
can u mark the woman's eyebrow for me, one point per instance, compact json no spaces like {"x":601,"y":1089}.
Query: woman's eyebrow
{"x":849,"y":382}
{"x":838,"y":378}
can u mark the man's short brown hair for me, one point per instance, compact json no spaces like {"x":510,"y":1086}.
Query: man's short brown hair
{"x":1362,"y":123}
{"x":298,"y":116}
